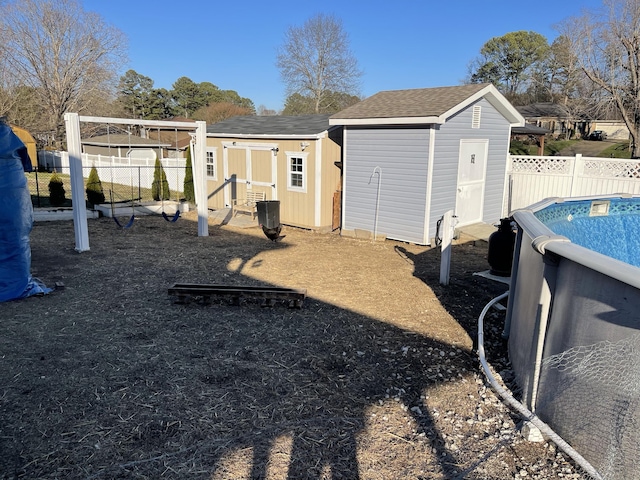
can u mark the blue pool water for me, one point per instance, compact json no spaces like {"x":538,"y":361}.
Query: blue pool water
{"x":615,"y":233}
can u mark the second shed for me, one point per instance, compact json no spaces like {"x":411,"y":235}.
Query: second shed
{"x":412,"y":155}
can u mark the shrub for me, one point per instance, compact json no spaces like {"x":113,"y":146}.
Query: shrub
{"x":518,"y":148}
{"x":57,"y":195}
{"x":95,"y":193}
{"x":189,"y":193}
{"x":160,"y":185}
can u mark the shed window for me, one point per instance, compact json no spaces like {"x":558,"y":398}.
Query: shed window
{"x":211,"y":164}
{"x":475,"y":121}
{"x":297,"y":172}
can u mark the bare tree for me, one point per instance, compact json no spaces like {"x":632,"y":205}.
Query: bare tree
{"x":263,"y":111}
{"x":564,"y":74}
{"x":315,"y":61}
{"x":65,"y":54}
{"x":607,"y":47}
{"x":8,"y":88}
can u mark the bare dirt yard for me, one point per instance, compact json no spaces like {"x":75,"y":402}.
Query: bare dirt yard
{"x":375,"y":377}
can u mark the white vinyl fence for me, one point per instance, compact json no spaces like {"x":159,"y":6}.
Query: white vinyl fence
{"x":531,"y":179}
{"x":128,"y":171}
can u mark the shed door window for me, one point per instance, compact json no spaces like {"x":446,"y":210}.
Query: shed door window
{"x":211,"y":164}
{"x":297,"y":172}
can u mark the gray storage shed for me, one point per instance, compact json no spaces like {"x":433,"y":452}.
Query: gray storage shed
{"x":412,"y":155}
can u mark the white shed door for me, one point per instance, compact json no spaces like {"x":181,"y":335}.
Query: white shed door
{"x":472,"y":168}
{"x":249,"y":167}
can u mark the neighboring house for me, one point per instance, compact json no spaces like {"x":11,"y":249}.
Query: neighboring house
{"x":29,"y":142}
{"x":615,"y":129}
{"x":177,"y":141}
{"x":292,"y":159}
{"x":563,"y":124}
{"x":412,"y":155}
{"x":556,"y":118}
{"x":124,"y":145}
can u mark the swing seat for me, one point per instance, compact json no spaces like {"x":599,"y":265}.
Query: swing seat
{"x":129,"y":224}
{"x":171,"y":219}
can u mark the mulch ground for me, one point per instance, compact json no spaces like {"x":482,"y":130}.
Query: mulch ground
{"x":375,"y":377}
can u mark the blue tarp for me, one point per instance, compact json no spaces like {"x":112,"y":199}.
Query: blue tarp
{"x":16,"y":220}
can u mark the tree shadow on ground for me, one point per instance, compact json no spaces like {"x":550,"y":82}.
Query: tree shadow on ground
{"x":109,"y":379}
{"x":467,"y":294}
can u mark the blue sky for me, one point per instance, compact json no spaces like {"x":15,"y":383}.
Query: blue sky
{"x":398,"y":45}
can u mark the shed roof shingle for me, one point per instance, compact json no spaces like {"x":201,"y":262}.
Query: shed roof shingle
{"x":279,"y":125}
{"x":422,"y":102}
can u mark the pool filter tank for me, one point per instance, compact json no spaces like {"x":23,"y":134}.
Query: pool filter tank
{"x":501,"y":246}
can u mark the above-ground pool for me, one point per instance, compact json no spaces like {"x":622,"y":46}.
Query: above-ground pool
{"x":607,"y":226}
{"x":573,"y":322}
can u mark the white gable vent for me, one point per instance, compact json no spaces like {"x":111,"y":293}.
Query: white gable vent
{"x":475,"y":121}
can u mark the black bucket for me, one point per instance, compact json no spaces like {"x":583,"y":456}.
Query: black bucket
{"x":269,"y":213}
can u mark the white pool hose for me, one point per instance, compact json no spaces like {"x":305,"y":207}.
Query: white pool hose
{"x":528,"y":415}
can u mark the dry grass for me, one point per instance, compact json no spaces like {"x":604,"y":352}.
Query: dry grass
{"x":373,"y":378}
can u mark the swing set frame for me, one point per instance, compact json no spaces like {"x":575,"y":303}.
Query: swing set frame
{"x":74,"y":147}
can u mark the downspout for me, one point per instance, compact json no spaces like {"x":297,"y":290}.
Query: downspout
{"x":377,"y":170}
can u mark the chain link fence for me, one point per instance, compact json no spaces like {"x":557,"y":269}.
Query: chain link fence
{"x":123,"y":180}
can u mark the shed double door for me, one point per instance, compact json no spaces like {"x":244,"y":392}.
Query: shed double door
{"x":248,"y":168}
{"x":472,"y":168}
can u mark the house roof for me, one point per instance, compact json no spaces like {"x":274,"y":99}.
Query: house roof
{"x":423,"y":105}
{"x":273,"y":126}
{"x":544,"y":110}
{"x":529,"y":129}
{"x":172,"y":138}
{"x":123,"y":140}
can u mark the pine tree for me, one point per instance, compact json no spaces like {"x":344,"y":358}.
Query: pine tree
{"x":57,"y":196}
{"x":160,"y":185}
{"x":189,"y":193}
{"x":95,"y":193}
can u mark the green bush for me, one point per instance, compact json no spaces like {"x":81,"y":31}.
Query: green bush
{"x":160,"y":185}
{"x":95,"y":193}
{"x":519,"y":148}
{"x":57,"y":195}
{"x":189,"y":192}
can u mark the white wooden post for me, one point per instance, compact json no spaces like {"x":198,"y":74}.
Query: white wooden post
{"x":74,"y":148}
{"x":445,"y":247}
{"x":200,"y":173}
{"x":578,"y":168}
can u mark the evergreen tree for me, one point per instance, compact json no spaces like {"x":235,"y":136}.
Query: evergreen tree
{"x":57,"y":196}
{"x":189,"y":193}
{"x":95,"y":193}
{"x":160,"y":185}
